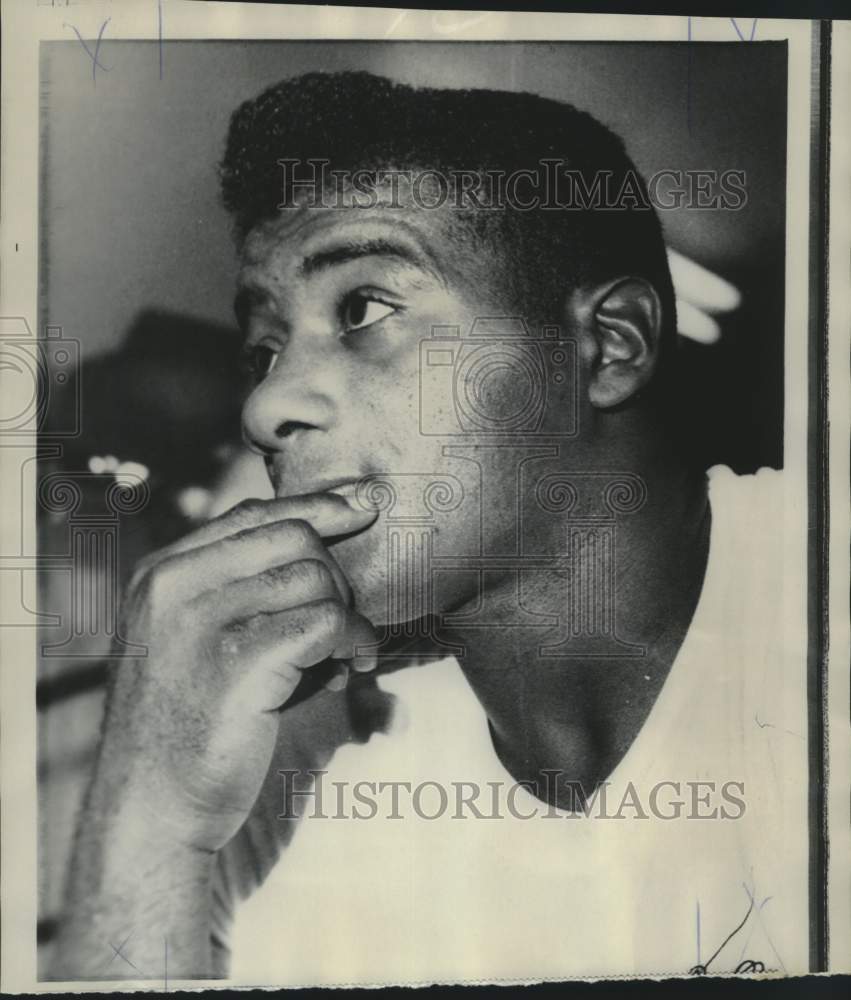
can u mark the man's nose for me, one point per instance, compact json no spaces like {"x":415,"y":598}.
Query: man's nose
{"x":291,"y":399}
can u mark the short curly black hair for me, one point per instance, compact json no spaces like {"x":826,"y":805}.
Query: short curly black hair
{"x":360,"y":121}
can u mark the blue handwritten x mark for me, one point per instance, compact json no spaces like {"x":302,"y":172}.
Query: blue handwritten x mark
{"x":738,"y":32}
{"x":92,"y":55}
{"x":118,"y":953}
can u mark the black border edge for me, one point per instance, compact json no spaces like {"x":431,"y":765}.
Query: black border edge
{"x":818,"y":494}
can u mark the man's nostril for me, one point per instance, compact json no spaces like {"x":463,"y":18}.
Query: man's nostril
{"x":289,"y":427}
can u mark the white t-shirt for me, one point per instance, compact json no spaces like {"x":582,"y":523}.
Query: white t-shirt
{"x":622,"y":891}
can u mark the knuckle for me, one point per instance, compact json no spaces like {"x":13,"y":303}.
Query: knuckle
{"x":247,"y":511}
{"x":328,"y":615}
{"x":229,"y":641}
{"x":306,"y":576}
{"x":315,"y":575}
{"x":299,"y":532}
{"x":275,"y":576}
{"x":158,"y":585}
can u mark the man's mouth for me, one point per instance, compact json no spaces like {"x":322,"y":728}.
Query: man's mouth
{"x":345,"y":488}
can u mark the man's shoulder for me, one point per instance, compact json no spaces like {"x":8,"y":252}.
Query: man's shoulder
{"x":752,"y":596}
{"x":747,"y":509}
{"x":726,"y":483}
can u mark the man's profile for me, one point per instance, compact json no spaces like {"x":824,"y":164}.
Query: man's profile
{"x":559,"y":619}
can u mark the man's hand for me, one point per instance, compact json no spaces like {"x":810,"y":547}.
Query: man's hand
{"x":231,"y":616}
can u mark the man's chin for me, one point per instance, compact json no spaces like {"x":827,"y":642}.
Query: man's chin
{"x":374,"y":599}
{"x":382,"y":593}
{"x":395,"y":588}
{"x":364,"y":565}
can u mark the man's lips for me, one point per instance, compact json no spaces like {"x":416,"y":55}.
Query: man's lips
{"x":345,"y":488}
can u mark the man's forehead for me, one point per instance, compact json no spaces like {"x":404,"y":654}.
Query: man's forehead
{"x":423,"y":237}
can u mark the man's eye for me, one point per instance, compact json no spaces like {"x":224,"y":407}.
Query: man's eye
{"x":361,"y":310}
{"x":258,"y":360}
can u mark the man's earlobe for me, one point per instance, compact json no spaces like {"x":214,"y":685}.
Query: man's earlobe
{"x":623,"y":333}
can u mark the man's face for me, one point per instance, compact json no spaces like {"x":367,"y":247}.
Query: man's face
{"x":335,"y":304}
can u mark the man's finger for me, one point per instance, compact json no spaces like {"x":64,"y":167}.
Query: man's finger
{"x":248,"y":553}
{"x":328,"y":513}
{"x":275,"y":589}
{"x":270,"y":651}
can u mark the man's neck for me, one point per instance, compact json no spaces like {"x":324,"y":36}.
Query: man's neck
{"x":577,"y":706}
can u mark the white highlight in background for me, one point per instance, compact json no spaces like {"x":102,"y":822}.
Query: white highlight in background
{"x":700,"y":295}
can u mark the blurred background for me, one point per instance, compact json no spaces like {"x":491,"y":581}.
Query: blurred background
{"x":137,"y":265}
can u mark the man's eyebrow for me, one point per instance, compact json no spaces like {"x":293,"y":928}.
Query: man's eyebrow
{"x":376,"y":247}
{"x":248,"y":298}
{"x":242,"y":303}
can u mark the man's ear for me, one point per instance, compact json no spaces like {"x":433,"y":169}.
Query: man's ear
{"x":620,"y":325}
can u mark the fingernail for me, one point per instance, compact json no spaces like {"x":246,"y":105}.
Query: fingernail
{"x":361,"y":507}
{"x":339,"y":680}
{"x":365,"y":662}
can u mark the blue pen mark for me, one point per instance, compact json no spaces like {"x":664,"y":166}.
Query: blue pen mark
{"x":752,"y":896}
{"x":751,"y":918}
{"x":118,"y":952}
{"x":702,"y":968}
{"x":698,"y":932}
{"x":96,"y":64}
{"x":753,"y":928}
{"x":742,"y":38}
{"x":738,"y":32}
{"x":160,"y":33}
